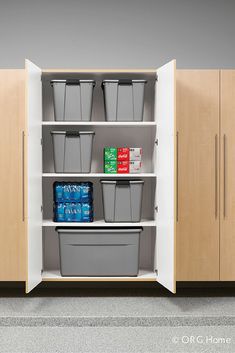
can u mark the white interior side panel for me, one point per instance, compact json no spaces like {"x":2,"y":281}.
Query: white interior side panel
{"x":165,"y":168}
{"x":34,"y":152}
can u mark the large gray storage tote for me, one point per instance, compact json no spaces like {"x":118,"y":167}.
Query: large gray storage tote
{"x":99,"y":251}
{"x":72,"y":99}
{"x":72,"y":151}
{"x":124,"y":99}
{"x":122,"y":200}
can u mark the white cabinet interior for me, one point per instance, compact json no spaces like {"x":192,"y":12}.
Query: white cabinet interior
{"x":157,"y":257}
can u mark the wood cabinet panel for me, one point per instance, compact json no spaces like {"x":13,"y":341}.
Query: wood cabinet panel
{"x":197,"y":107}
{"x":12,"y":225}
{"x":227,"y":176}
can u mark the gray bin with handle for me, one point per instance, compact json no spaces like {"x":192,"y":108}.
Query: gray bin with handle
{"x":122,"y":200}
{"x":124,"y":99}
{"x":72,"y":99}
{"x":99,"y":251}
{"x":72,"y":151}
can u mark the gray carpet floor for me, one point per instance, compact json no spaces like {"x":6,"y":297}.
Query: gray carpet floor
{"x":116,"y":339}
{"x":117,"y":311}
{"x":120,"y":324}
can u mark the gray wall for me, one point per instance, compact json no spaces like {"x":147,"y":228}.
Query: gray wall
{"x":117,"y":33}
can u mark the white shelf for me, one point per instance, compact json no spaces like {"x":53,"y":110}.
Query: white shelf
{"x":99,"y":223}
{"x":99,"y":123}
{"x":100,"y":71}
{"x":144,"y":276}
{"x":97,"y":175}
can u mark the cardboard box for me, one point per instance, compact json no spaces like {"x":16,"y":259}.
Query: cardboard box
{"x":123,"y":167}
{"x":110,"y":167}
{"x":135,"y":167}
{"x":123,"y":154}
{"x":135,"y":153}
{"x":110,"y":153}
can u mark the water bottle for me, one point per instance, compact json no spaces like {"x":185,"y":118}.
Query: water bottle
{"x":87,"y":212}
{"x":58,"y":191}
{"x":59,"y":212}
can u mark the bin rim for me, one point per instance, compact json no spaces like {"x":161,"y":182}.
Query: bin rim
{"x":57,"y":132}
{"x":80,"y":132}
{"x":117,"y":81}
{"x":130,"y":181}
{"x":98,"y":229}
{"x":69,"y":80}
{"x":87,"y":132}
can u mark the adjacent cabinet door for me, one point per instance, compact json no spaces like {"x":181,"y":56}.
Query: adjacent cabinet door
{"x":34,"y":174}
{"x":12,"y":176}
{"x":165,"y":169}
{"x":197,"y":107}
{"x":227,"y":176}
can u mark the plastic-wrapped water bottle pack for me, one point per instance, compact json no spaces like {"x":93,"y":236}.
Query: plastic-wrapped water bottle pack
{"x":73,"y":201}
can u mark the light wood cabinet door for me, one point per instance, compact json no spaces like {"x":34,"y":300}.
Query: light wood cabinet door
{"x":197,"y":107}
{"x":12,"y":217}
{"x":227,"y":176}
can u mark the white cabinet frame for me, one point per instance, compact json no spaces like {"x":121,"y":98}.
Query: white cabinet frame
{"x":34,"y":174}
{"x":164,"y":162}
{"x":165,"y":110}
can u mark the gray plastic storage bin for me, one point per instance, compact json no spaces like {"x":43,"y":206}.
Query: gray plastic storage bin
{"x":124,"y":99}
{"x":72,"y":99}
{"x":122,"y":200}
{"x":72,"y":151}
{"x":99,"y":251}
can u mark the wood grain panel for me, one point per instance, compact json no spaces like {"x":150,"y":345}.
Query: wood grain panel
{"x":12,"y":225}
{"x":198,"y":175}
{"x":227,"y":185}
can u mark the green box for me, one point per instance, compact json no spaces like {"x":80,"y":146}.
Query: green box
{"x":110,"y":167}
{"x":110,"y":153}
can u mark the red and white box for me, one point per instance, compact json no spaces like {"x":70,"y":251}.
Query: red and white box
{"x":135,"y":153}
{"x":123,"y":167}
{"x":129,"y":167}
{"x":135,"y":167}
{"x":123,"y":154}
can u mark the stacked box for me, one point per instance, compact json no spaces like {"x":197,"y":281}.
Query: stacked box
{"x":135,"y":154}
{"x":110,"y":167}
{"x":122,"y":160}
{"x":123,"y":167}
{"x":73,"y":201}
{"x":110,"y":153}
{"x":123,"y":154}
{"x":135,"y":167}
{"x":73,"y":212}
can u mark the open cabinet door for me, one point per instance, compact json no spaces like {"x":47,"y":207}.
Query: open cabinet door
{"x":34,"y":174}
{"x":166,"y":175}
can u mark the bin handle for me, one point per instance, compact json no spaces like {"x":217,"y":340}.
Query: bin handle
{"x":72,"y":133}
{"x":124,"y":81}
{"x":72,"y":82}
{"x":123,"y":182}
{"x":100,"y":230}
{"x":98,"y":244}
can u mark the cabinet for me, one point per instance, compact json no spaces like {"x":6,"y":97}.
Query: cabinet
{"x":227,"y":176}
{"x":206,"y":169}
{"x":188,"y":172}
{"x":12,"y":152}
{"x":198,"y":131}
{"x":32,"y":241}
